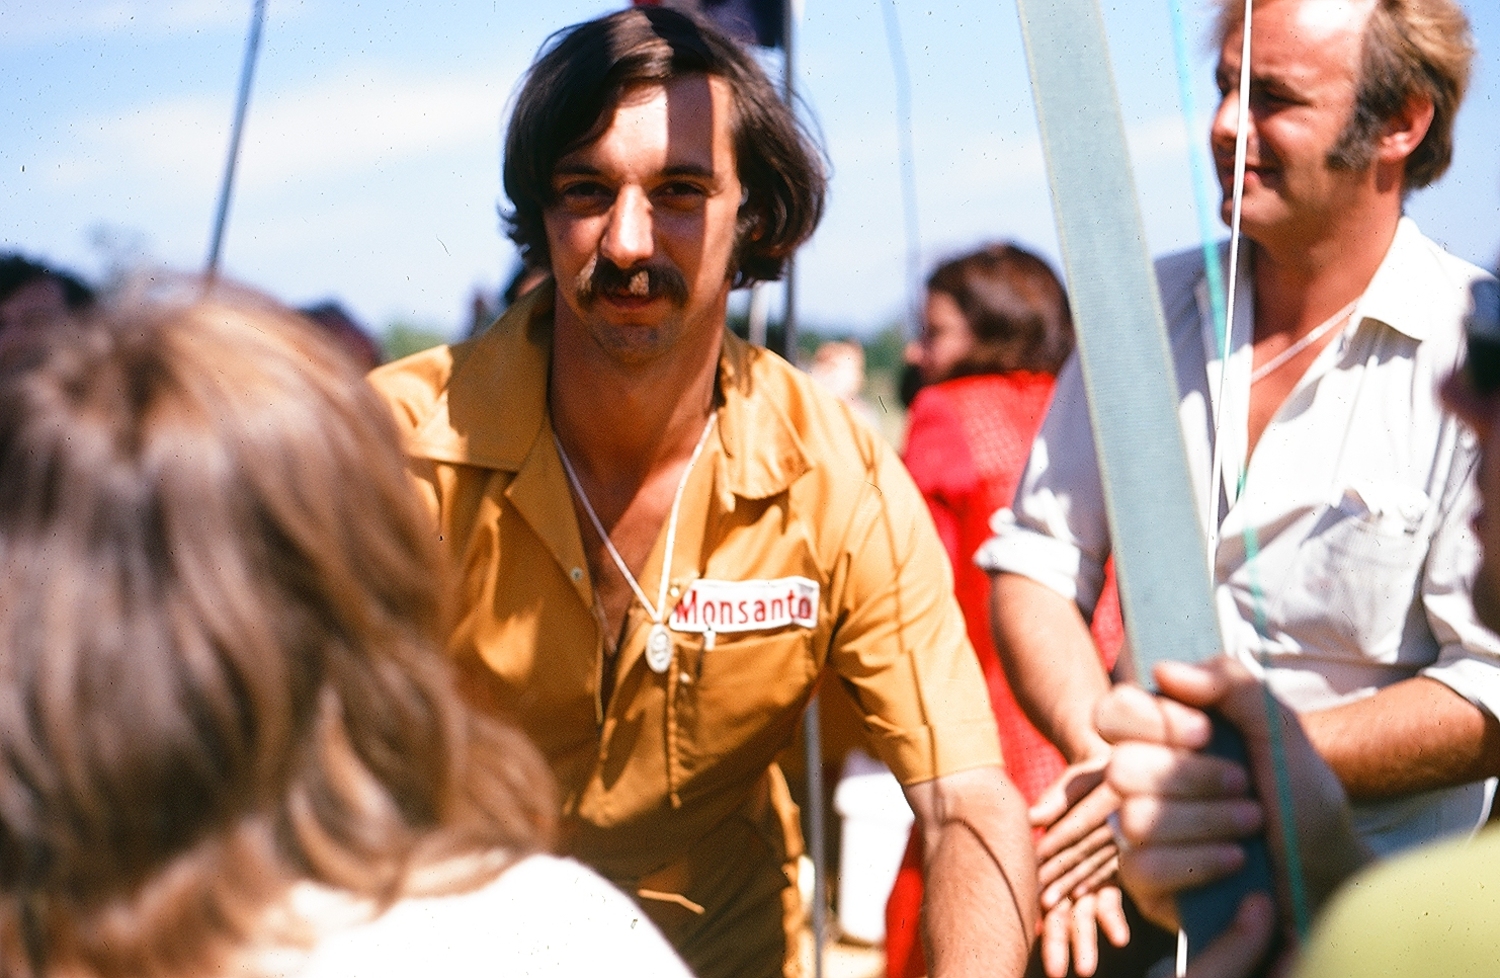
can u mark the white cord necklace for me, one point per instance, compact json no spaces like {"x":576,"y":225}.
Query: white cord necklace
{"x":658,"y":641}
{"x":1265,"y":370}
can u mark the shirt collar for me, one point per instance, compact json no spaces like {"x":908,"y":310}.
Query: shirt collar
{"x":473,"y":422}
{"x":495,"y":405}
{"x":762,"y":453}
{"x":1390,"y":298}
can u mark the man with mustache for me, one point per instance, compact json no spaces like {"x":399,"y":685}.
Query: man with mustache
{"x":662,"y":538}
{"x":1342,"y":553}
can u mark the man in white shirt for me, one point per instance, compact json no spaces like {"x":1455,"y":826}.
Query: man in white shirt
{"x":1342,"y":479}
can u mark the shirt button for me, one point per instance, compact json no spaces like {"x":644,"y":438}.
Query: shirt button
{"x":675,"y":591}
{"x":576,"y":574}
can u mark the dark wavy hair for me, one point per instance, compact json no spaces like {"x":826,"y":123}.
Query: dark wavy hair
{"x":568,"y":100}
{"x":1411,"y":48}
{"x":17,"y":270}
{"x":219,"y":662}
{"x":1015,"y":307}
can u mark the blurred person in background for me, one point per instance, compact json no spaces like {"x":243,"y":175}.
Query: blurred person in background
{"x":839,"y":368}
{"x":346,"y":332}
{"x":32,"y":292}
{"x":996,"y":329}
{"x":228,"y":741}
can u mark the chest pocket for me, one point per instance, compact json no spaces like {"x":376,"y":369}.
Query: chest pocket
{"x":1351,"y":584}
{"x":736,"y":702}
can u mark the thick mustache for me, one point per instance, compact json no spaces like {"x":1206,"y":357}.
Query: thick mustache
{"x":601,"y":277}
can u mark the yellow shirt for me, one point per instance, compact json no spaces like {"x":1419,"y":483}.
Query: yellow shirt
{"x":673,"y":779}
{"x":1433,"y":912}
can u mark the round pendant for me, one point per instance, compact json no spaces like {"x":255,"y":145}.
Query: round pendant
{"x":658,"y":648}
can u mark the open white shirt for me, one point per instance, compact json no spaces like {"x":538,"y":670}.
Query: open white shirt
{"x":1359,"y":498}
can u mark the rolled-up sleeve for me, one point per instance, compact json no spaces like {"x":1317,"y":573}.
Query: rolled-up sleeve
{"x":1468,"y":659}
{"x":901,"y":647}
{"x":1056,"y":532}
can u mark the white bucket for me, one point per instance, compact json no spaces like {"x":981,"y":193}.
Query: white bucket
{"x":876,"y":824}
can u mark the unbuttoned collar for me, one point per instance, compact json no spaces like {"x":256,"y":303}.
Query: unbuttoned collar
{"x":473,"y":421}
{"x":1391,"y":299}
{"x":762,"y":453}
{"x":495,"y":406}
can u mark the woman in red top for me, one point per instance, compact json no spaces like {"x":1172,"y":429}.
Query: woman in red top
{"x":995,"y":332}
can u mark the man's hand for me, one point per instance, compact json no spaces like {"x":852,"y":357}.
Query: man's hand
{"x":979,"y":916}
{"x":1183,"y":813}
{"x":1076,"y":852}
{"x":1077,"y":863}
{"x":1239,"y":952}
{"x":1070,"y":930}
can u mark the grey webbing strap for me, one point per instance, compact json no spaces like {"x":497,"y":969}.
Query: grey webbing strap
{"x":1160,"y":558}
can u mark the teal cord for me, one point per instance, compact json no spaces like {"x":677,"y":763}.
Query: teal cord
{"x":1198,"y":165}
{"x":1296,"y":878}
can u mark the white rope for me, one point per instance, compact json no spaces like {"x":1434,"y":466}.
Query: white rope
{"x":658,"y":610}
{"x":1266,"y":369}
{"x":1241,"y":142}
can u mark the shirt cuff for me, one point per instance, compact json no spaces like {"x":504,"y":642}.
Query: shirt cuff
{"x":1476,"y":678}
{"x":924,"y":754}
{"x":1058,"y":565}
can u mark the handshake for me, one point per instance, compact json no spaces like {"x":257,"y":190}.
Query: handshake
{"x":1186,"y":816}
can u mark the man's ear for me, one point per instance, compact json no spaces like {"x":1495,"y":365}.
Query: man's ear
{"x":1404,"y":131}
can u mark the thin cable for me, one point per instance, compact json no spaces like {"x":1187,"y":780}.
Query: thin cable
{"x":1296,"y":880}
{"x":1199,"y":169}
{"x":907,"y":154}
{"x":1222,"y":312}
{"x":1241,"y":143}
{"x":789,"y":276}
{"x":247,"y":72}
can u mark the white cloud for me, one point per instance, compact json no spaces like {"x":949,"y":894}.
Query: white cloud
{"x":361,"y":122}
{"x":352,"y":123}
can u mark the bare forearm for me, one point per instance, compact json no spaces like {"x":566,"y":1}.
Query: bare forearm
{"x":1415,"y":735}
{"x":979,"y":915}
{"x":1050,"y":662}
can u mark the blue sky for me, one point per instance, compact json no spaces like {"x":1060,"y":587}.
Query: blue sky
{"x":370,"y":169}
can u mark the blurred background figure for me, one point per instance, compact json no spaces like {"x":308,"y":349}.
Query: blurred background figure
{"x":483,"y":312}
{"x":996,"y":330}
{"x":229,"y":743}
{"x":346,"y":332}
{"x":839,"y":368}
{"x":32,"y":292}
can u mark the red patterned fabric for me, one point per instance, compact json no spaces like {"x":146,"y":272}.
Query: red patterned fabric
{"x":966,"y":446}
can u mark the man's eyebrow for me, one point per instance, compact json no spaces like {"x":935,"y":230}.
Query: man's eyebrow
{"x":566,"y":169}
{"x":688,"y":170}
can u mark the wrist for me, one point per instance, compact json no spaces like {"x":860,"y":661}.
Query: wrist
{"x":1087,"y":746}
